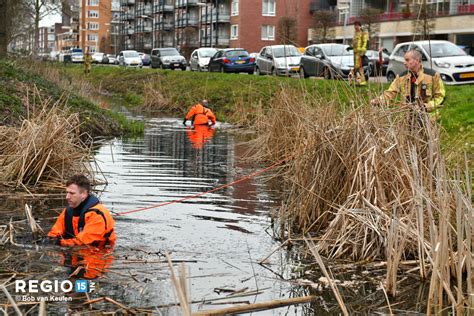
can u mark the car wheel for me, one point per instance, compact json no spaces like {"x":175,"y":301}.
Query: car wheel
{"x":303,"y":73}
{"x":327,"y":73}
{"x":183,"y":68}
{"x":390,"y":76}
{"x":274,"y":72}
{"x":199,"y":69}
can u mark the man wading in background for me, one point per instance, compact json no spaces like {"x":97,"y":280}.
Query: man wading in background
{"x":416,"y":87}
{"x":200,"y":114}
{"x":85,"y":221}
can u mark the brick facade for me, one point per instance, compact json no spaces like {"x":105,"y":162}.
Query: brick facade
{"x":95,"y":25}
{"x":250,"y":21}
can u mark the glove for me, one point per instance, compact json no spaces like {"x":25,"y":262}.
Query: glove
{"x":184,"y":122}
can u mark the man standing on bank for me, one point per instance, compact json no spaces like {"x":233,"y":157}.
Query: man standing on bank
{"x":85,"y":221}
{"x":416,"y":87}
{"x":359,"y":45}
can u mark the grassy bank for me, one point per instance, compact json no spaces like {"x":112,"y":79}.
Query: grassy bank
{"x":19,"y":81}
{"x":236,"y":98}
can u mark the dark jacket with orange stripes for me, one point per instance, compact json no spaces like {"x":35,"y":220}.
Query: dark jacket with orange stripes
{"x":199,"y":114}
{"x":88,"y":224}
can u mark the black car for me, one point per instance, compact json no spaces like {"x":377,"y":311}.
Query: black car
{"x":232,"y":60}
{"x":167,"y":58}
{"x":378,"y":64}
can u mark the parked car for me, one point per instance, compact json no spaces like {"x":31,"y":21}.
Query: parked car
{"x":232,"y":60}
{"x":167,"y":58}
{"x":278,"y":60}
{"x":77,"y":57}
{"x":377,"y":66}
{"x":130,"y":58}
{"x":97,"y":57}
{"x":450,"y":61}
{"x":200,"y":58}
{"x":329,"y":61}
{"x":146,"y":60}
{"x":111,"y":58}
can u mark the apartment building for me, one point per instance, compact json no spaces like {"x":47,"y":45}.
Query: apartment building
{"x":255,"y":23}
{"x":188,"y":24}
{"x":115,"y":27}
{"x":47,"y":39}
{"x":68,"y":36}
{"x":95,"y":25}
{"x":452,"y":20}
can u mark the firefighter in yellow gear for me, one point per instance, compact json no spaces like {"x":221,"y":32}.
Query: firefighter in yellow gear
{"x":87,"y":63}
{"x":359,"y":45}
{"x":416,"y":87}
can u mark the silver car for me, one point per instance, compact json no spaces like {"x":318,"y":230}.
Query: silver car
{"x":450,"y":61}
{"x":200,"y":58}
{"x":329,"y":61}
{"x":278,"y":60}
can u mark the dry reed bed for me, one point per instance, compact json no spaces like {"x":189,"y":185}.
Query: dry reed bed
{"x":372,"y":184}
{"x":46,"y":148}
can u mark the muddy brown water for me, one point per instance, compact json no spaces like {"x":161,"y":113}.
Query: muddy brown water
{"x":220,"y":236}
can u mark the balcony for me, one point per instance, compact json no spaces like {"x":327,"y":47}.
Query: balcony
{"x":221,"y":40}
{"x":219,"y":17}
{"x":129,"y":16}
{"x":145,"y":11}
{"x":147,"y":45}
{"x":164,"y":25}
{"x":130,"y":2}
{"x":185,"y":22}
{"x":130,"y":31}
{"x":144,"y":28}
{"x":183,"y":3}
{"x":164,"y":8}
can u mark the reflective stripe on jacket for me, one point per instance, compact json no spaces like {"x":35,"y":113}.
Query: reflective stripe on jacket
{"x":200,"y":115}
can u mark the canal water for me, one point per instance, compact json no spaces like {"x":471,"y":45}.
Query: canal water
{"x":218,"y":237}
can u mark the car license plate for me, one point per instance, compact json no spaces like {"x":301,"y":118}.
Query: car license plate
{"x":295,"y":68}
{"x":240,"y":62}
{"x":176,"y":65}
{"x":467,"y":75}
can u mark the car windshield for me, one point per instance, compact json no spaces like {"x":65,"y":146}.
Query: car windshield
{"x":169,"y":52}
{"x":443,"y":50}
{"x":237,"y":53}
{"x":336,"y":50}
{"x":207,"y":52}
{"x":130,"y":54}
{"x":285,"y":51}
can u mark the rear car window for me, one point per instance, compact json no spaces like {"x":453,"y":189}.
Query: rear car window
{"x":237,"y":53}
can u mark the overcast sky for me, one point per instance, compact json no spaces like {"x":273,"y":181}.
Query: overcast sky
{"x":50,"y":19}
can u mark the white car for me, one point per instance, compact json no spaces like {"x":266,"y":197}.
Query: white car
{"x":112,"y":58}
{"x":77,"y":57}
{"x":278,"y":60}
{"x":200,"y":58}
{"x":450,"y":61}
{"x":130,"y":58}
{"x":97,"y":57}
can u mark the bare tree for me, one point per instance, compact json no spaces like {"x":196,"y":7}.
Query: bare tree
{"x":370,"y":19}
{"x":38,"y":9}
{"x":9,"y":13}
{"x":424,"y":23}
{"x":287,"y":30}
{"x":323,"y":25}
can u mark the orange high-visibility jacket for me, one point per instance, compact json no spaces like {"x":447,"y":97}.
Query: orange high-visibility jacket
{"x":91,"y":225}
{"x":200,"y":115}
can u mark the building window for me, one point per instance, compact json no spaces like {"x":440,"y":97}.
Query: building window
{"x":92,"y":37}
{"x":268,"y":32}
{"x":234,"y":32}
{"x":92,"y":26}
{"x":235,"y":8}
{"x":269,"y":8}
{"x":93,"y":14}
{"x":93,"y":2}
